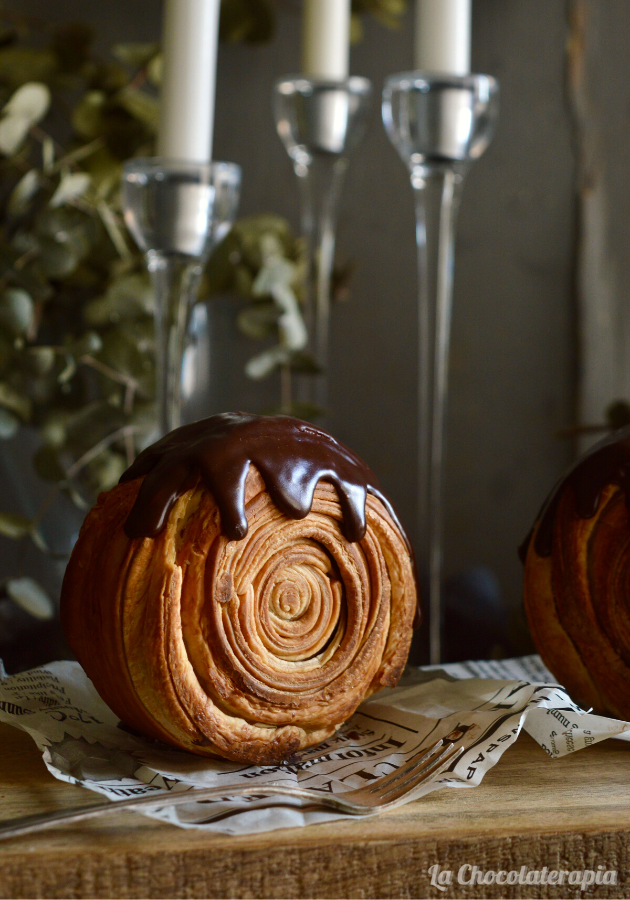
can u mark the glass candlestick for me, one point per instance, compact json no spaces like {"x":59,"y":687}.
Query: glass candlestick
{"x":319,"y":122}
{"x":176,"y":211}
{"x":438,"y":124}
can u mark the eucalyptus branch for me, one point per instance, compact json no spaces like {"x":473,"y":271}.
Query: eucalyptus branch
{"x":77,"y":155}
{"x":40,"y":135}
{"x":78,"y":252}
{"x":130,"y":384}
{"x":98,"y":448}
{"x":47,"y":503}
{"x":114,"y":231}
{"x":124,"y":433}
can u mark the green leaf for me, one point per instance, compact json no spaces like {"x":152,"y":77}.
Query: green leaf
{"x":246,"y":21}
{"x":48,"y":155}
{"x":42,"y":389}
{"x":9,"y":424}
{"x":53,"y":429}
{"x":244,"y":281}
{"x":31,"y":102}
{"x":23,"y":192}
{"x":88,"y":344}
{"x":68,"y":370}
{"x":27,"y":106}
{"x":15,"y":401}
{"x":121,"y":353}
{"x":86,"y":116}
{"x":38,"y":539}
{"x":71,"y":186}
{"x":29,"y":277}
{"x":250,"y":231}
{"x":74,"y":156}
{"x":40,"y":359}
{"x":16,"y":311}
{"x":14,"y":526}
{"x":105,"y":470}
{"x":57,"y":260}
{"x":135,"y":54}
{"x":141,"y":106}
{"x":13,"y":132}
{"x":141,"y":333}
{"x":31,"y":597}
{"x":105,"y":170}
{"x":263,"y":364}
{"x":77,"y":499}
{"x":155,"y":70}
{"x":387,"y":12}
{"x":66,"y":235}
{"x":356,"y":29}
{"x":68,"y":225}
{"x":258,"y":321}
{"x":123,"y":132}
{"x":219,"y":272}
{"x":105,"y":76}
{"x":19,"y":65}
{"x":127,"y":297}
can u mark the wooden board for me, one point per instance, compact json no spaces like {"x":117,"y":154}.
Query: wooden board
{"x":529,"y":811}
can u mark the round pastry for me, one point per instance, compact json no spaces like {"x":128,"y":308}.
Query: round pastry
{"x":242,"y":589}
{"x":577,"y":579}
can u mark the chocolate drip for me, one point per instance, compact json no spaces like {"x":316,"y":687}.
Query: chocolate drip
{"x":291,"y":456}
{"x":608,"y":462}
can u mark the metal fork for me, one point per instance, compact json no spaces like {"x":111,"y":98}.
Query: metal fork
{"x":380,"y":794}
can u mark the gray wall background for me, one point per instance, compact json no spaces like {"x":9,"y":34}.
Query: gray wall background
{"x":513,"y":369}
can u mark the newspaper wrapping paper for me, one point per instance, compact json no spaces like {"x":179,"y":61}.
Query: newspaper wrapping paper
{"x":480,"y":705}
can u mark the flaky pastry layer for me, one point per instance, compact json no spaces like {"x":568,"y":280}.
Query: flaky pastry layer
{"x":252,"y":649}
{"x":578,"y":602}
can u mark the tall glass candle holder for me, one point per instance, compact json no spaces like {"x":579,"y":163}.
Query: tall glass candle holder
{"x":439,"y":124}
{"x":320,"y":122}
{"x":177,"y":212}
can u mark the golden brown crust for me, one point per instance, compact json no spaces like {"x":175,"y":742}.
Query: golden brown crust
{"x":250,"y":649}
{"x":577,"y":602}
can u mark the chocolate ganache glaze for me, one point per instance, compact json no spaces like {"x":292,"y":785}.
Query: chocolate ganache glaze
{"x":291,"y":456}
{"x":607,"y":462}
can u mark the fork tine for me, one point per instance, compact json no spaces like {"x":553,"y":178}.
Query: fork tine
{"x":429,"y":770}
{"x":417,"y":772}
{"x":406,"y":768}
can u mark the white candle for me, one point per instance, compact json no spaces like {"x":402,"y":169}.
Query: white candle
{"x":326,"y":39}
{"x":189,"y":42}
{"x":443,"y":36}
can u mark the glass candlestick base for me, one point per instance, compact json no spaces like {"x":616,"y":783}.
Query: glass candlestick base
{"x":439,"y":125}
{"x":320,"y":123}
{"x":177,"y":212}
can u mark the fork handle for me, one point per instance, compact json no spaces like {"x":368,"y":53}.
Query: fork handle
{"x":26,"y":824}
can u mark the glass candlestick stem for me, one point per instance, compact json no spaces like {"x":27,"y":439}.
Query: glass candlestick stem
{"x":177,"y":212}
{"x":439,"y":125}
{"x":320,"y":122}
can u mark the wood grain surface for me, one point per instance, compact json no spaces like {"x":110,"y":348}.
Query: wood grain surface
{"x":529,"y":811}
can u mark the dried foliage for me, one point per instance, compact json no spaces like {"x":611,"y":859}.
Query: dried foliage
{"x":76,"y":305}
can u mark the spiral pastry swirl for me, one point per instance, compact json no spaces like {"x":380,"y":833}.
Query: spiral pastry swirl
{"x":252,"y":649}
{"x":577,"y":579}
